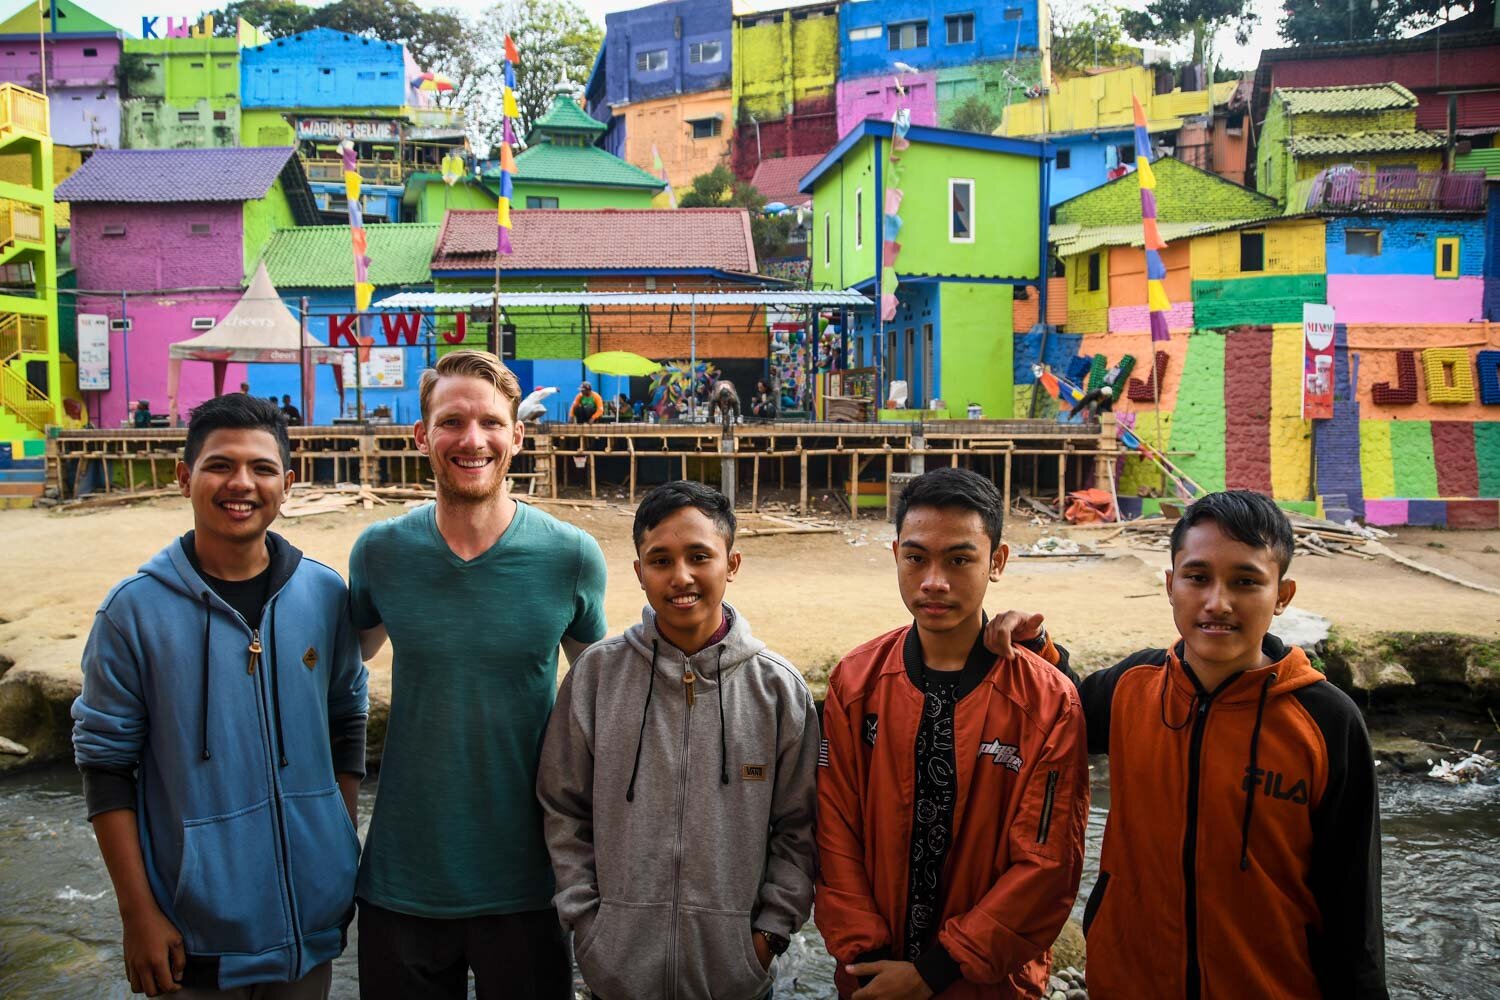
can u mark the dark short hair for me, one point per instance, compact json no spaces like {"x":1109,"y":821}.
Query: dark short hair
{"x":668,"y":498}
{"x":236,"y":411}
{"x":1244,"y":515}
{"x":953,"y":487}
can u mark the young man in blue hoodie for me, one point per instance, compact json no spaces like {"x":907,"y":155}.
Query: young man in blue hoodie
{"x":221,"y":734}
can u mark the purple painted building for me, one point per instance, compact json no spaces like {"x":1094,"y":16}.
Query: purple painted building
{"x":176,"y":231}
{"x":82,"y":60}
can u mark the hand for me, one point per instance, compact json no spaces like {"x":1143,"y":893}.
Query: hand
{"x":762,"y":950}
{"x":893,"y":981}
{"x":1013,"y":626}
{"x":154,"y":955}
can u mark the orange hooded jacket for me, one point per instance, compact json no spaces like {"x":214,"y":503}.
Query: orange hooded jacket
{"x":1242,"y":850}
{"x":1012,"y":871}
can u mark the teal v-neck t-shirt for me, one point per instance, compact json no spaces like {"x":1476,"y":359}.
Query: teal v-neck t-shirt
{"x":457,"y":830}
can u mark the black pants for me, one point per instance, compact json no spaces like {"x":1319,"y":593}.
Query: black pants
{"x":523,"y":956}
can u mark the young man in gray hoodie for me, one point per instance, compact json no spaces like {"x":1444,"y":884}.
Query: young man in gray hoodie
{"x":678,"y":779}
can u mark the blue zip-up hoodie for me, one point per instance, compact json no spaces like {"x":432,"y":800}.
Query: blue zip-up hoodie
{"x":248,"y":847}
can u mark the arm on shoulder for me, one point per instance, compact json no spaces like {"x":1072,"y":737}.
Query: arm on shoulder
{"x":371,"y":640}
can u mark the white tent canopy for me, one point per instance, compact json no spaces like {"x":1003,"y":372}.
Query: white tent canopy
{"x":259,"y":329}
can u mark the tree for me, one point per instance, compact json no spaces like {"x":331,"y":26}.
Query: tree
{"x":277,"y":18}
{"x":1308,"y":22}
{"x":1169,"y":21}
{"x":974,"y":115}
{"x":1089,"y":35}
{"x":719,"y":188}
{"x":429,"y":35}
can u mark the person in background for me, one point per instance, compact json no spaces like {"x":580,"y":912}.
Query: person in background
{"x":141,"y":415}
{"x":245,"y":388}
{"x":587,"y":406}
{"x":622,"y":407}
{"x":763,"y":402}
{"x":292,"y":414}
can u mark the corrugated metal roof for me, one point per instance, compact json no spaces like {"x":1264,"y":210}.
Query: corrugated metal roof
{"x":468,"y":300}
{"x":1359,"y":97}
{"x":1070,"y":240}
{"x":1362,"y":142}
{"x":321,"y":257}
{"x":1487,"y":160}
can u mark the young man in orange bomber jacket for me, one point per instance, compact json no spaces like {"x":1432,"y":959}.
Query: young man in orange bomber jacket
{"x":1242,"y":852}
{"x":953,"y":787}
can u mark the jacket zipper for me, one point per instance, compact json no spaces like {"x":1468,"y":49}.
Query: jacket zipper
{"x":1194,"y":981}
{"x":682,"y":790}
{"x":255,"y":651}
{"x":1046,"y":822}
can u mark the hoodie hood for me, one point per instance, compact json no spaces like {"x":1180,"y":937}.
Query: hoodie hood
{"x":176,"y":566}
{"x":1289,"y":664}
{"x":717,"y":659}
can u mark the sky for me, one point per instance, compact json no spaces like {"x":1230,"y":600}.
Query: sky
{"x":128,"y":13}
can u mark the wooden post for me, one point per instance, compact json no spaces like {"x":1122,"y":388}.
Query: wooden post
{"x":1062,"y":481}
{"x":890,"y":467}
{"x":593,"y":485}
{"x":802,"y":500}
{"x":853,"y":484}
{"x":755,"y":483}
{"x":631,"y":443}
{"x":727,"y":469}
{"x":1007,"y":480}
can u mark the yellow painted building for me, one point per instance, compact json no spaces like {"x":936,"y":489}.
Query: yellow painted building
{"x":783,"y":57}
{"x":1104,"y":101}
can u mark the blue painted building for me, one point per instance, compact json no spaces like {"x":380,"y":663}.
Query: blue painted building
{"x":677,"y":47}
{"x":932,"y":34}
{"x":323,"y":68}
{"x":1492,"y":253}
{"x":1084,"y":161}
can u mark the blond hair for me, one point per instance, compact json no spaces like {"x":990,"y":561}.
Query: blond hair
{"x":471,"y":364}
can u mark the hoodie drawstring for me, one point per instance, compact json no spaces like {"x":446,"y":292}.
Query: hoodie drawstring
{"x":275,"y":692}
{"x":1166,"y":682}
{"x":208,"y":623}
{"x":641,"y":737}
{"x":723,"y":738}
{"x":1250,"y":785}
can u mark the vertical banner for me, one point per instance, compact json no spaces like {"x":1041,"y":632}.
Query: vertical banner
{"x":93,"y":352}
{"x":1317,"y":361}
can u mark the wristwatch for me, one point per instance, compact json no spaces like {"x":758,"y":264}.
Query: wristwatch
{"x":1036,"y":643}
{"x":775,"y":942}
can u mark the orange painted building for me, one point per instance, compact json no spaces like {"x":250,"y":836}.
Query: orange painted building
{"x":692,"y":132}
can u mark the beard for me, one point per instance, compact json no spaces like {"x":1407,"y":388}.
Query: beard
{"x":454,"y":490}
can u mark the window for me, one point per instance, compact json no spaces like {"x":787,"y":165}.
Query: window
{"x":961,"y":211}
{"x":1253,"y":251}
{"x":195,"y":65}
{"x":705,"y":52}
{"x":388,"y":74}
{"x":187,"y":116}
{"x":859,"y":218}
{"x":533,"y":201}
{"x":1126,"y":153}
{"x":911,"y":35}
{"x":148,"y":116}
{"x":90,"y":53}
{"x":1096,"y":262}
{"x":365,"y":74}
{"x":706,"y":128}
{"x":200,"y":229}
{"x":1064,"y":159}
{"x":864,"y":34}
{"x":220,"y":116}
{"x":1362,"y":242}
{"x":223,"y":65}
{"x":651,"y":62}
{"x":114,"y":229}
{"x":960,"y":28}
{"x":992,"y":86}
{"x":1447,"y":257}
{"x":827,"y":231}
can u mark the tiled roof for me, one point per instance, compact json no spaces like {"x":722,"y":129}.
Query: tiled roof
{"x":777,"y":179}
{"x":1362,"y":142}
{"x":321,"y":256}
{"x":580,"y":165}
{"x":175,"y":175}
{"x":601,"y":239}
{"x":1361,"y":97}
{"x":566,"y":115}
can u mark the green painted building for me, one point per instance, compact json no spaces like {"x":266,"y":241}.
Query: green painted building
{"x":562,"y":168}
{"x":428,"y":199}
{"x":972,"y":227}
{"x":181,"y":93}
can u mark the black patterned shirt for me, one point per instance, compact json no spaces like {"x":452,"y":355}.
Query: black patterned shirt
{"x":932,"y":815}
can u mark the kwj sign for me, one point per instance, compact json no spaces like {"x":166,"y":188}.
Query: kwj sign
{"x":178,"y":27}
{"x":402,"y":327}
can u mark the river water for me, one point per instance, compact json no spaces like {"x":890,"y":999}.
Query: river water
{"x":60,"y":932}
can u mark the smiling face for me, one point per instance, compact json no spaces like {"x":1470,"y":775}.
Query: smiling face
{"x":1224,"y":594}
{"x":684,"y":565}
{"x":237,"y":484}
{"x":944,"y":566}
{"x":470,"y":436}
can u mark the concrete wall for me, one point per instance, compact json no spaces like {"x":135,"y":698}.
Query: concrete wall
{"x":76,"y":61}
{"x":1090,"y":159}
{"x":150,"y":123}
{"x":324,"y":69}
{"x":995,"y":36}
{"x":785,"y":70}
{"x":575,"y":196}
{"x":188,"y":70}
{"x":675,"y":26}
{"x":876,"y":97}
{"x":1399,"y":284}
{"x":850,"y":259}
{"x":663,"y":123}
{"x":975,"y":348}
{"x":1183,"y":194}
{"x":997,"y":84}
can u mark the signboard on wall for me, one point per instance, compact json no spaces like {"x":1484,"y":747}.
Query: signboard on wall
{"x":386,"y":369}
{"x":1317,"y":361}
{"x":357,"y":130}
{"x":93,"y":352}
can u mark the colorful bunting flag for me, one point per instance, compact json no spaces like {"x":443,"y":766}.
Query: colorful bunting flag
{"x":1156,"y":271}
{"x":363,"y":289}
{"x":507,"y":157}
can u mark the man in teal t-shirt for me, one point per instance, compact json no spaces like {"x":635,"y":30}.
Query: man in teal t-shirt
{"x":475,"y":593}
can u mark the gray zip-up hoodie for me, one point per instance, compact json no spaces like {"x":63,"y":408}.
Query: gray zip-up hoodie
{"x":679,"y":813}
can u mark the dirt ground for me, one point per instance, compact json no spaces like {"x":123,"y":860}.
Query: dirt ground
{"x":810,"y":597}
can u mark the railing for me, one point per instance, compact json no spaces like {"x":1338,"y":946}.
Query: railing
{"x":22,"y":108}
{"x":25,"y":400}
{"x":374,"y":173}
{"x":20,"y":223}
{"x":1388,"y":190}
{"x":22,"y":335}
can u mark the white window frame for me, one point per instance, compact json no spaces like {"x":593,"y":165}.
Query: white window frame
{"x":647,"y":56}
{"x":869,"y":33}
{"x":953,"y":20}
{"x":827,"y":229}
{"x":859,"y":218}
{"x":899,"y":28}
{"x":973,"y":214}
{"x":695,"y":52}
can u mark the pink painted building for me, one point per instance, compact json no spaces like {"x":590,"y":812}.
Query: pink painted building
{"x":167,"y":237}
{"x":877,"y":97}
{"x":78,"y":67}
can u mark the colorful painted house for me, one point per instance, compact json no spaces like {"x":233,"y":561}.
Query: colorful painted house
{"x":427,"y":197}
{"x":164,"y":239}
{"x":608,"y":250}
{"x":957,"y":50}
{"x":314,"y":264}
{"x":562,"y":168}
{"x":81,"y":77}
{"x":785,"y":75}
{"x":187,"y":96}
{"x":1090,"y":119}
{"x":1309,"y":130}
{"x":31,"y":386}
{"x":972,"y":228}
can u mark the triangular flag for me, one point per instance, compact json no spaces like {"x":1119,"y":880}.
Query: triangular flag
{"x":1156,"y":297}
{"x":1146,"y":174}
{"x":893,"y":197}
{"x":352,"y":182}
{"x":1140,"y":112}
{"x":509,"y":100}
{"x":502,"y":213}
{"x":511,"y":52}
{"x":507,"y":160}
{"x":360,"y":241}
{"x":1153,"y":238}
{"x":502,"y":243}
{"x":891,"y":252}
{"x":363,"y":292}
